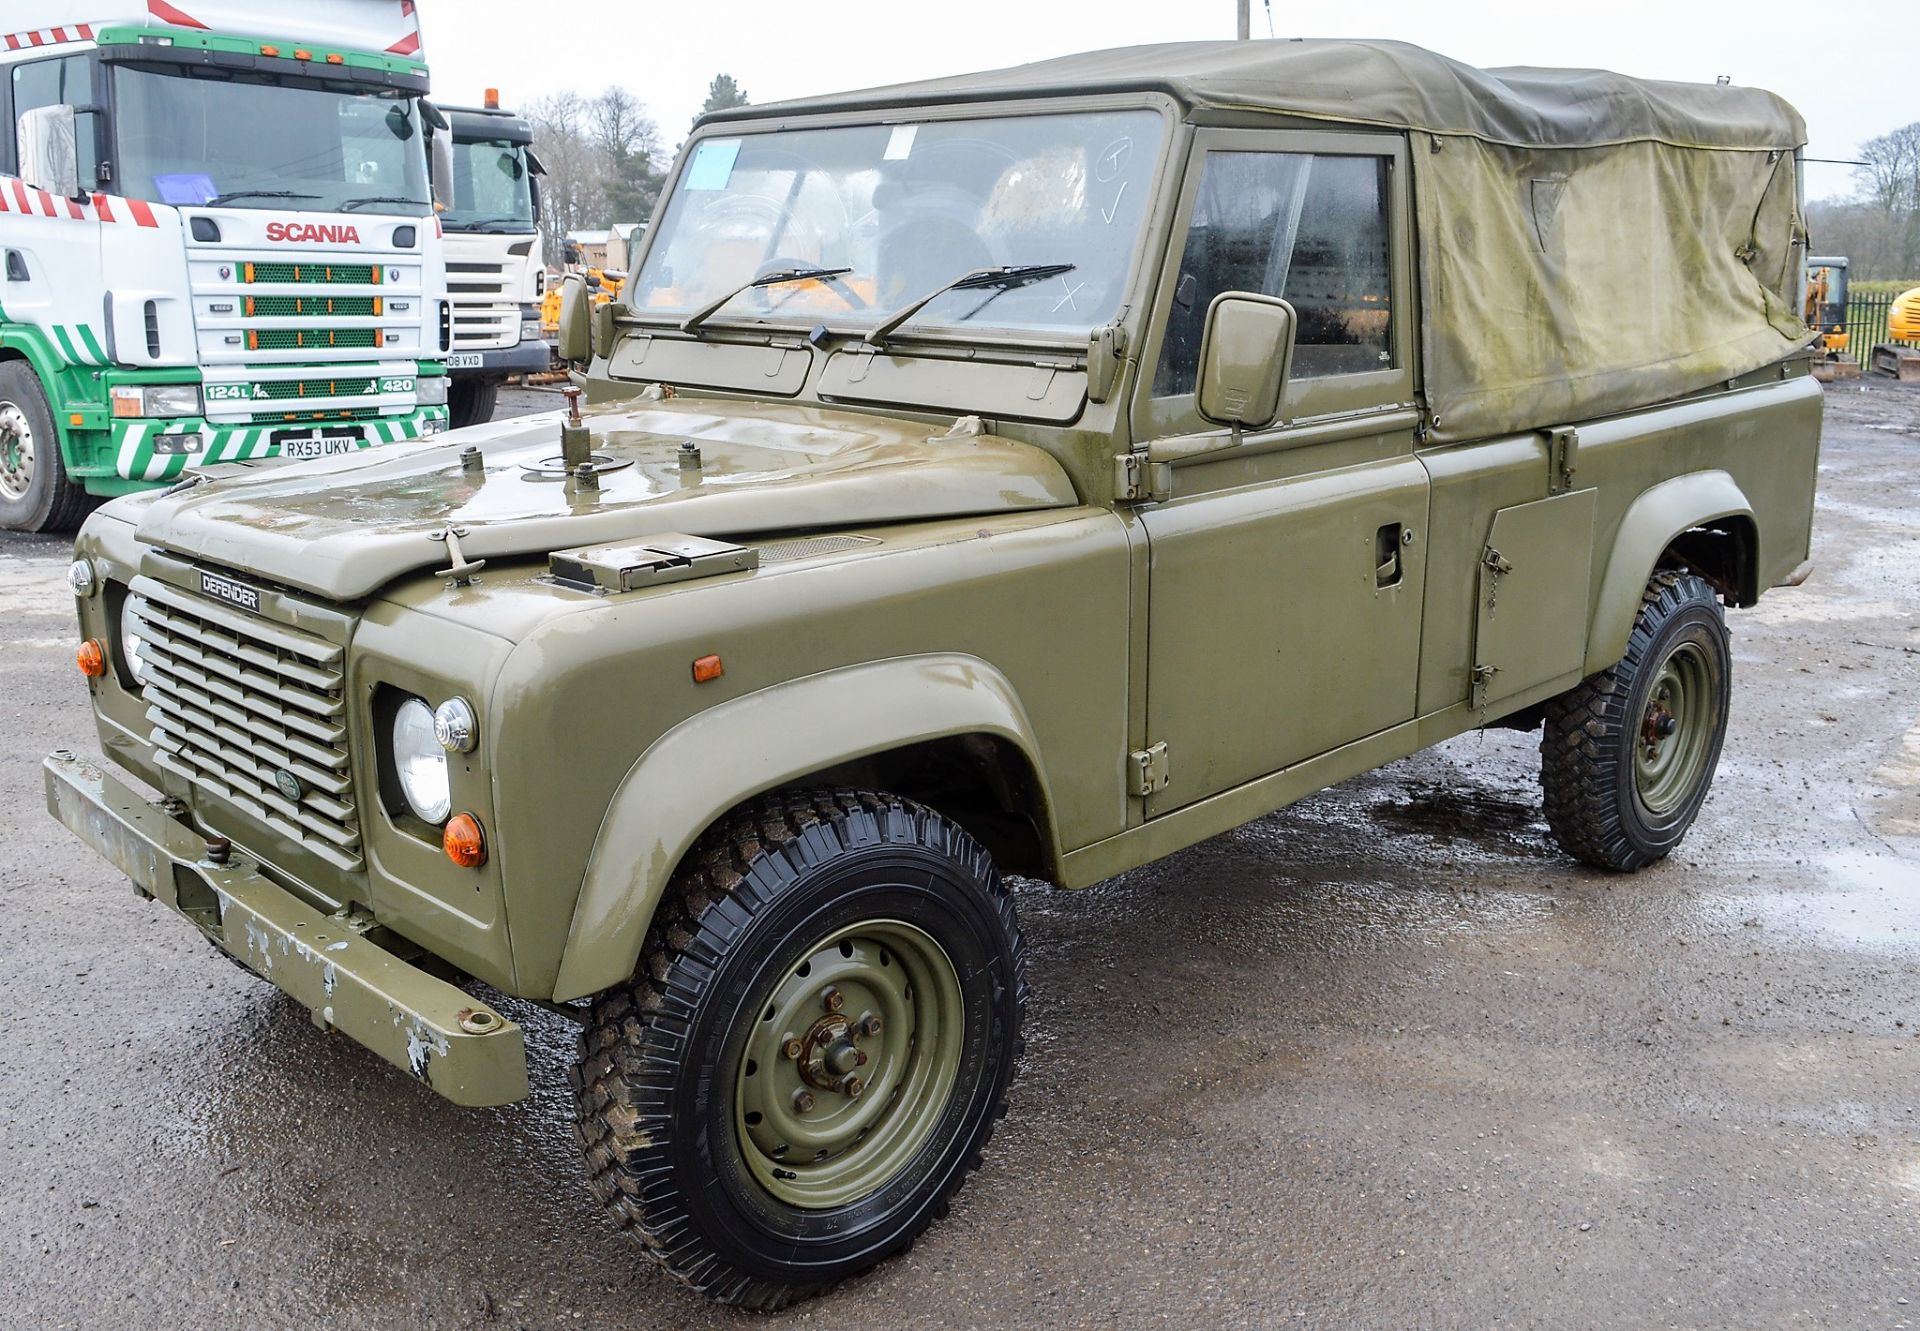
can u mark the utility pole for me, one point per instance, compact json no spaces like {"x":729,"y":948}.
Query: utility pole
{"x":1245,"y":8}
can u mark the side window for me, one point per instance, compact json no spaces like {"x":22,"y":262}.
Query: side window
{"x":63,"y":79}
{"x":1311,"y":228}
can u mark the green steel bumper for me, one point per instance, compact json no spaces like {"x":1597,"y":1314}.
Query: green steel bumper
{"x":422,"y":1025}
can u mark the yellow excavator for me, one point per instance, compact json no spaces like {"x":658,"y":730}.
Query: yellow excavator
{"x":1903,"y":320}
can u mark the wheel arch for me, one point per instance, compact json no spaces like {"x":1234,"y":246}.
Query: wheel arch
{"x":926,"y":723}
{"x":1701,"y":521}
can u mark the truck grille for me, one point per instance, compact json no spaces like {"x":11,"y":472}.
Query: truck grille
{"x":284,"y":307}
{"x":283,"y":339}
{"x":236,"y":701}
{"x":353,"y":274}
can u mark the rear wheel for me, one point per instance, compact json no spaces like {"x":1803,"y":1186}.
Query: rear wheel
{"x":471,"y":401}
{"x":1628,"y":756}
{"x":36,"y":494}
{"x":814,"y":1051}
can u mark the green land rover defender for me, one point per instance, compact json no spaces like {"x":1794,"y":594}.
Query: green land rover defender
{"x":1028,"y":473}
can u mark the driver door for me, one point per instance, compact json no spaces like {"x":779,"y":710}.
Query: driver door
{"x":1286,"y":565}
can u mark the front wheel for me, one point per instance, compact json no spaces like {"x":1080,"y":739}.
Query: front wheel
{"x":36,"y":494}
{"x":471,"y":402}
{"x":1627,"y":757}
{"x":815,"y":1048}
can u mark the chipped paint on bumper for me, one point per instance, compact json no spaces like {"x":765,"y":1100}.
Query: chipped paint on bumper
{"x":415,"y":1021}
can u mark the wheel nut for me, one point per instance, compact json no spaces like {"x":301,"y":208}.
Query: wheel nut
{"x":851,"y":1086}
{"x":803,"y":1101}
{"x":834,"y":999}
{"x":871,"y":1025}
{"x":860,"y":1059}
{"x":791,"y":1049}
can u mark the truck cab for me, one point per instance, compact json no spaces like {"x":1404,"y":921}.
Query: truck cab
{"x":496,"y":272}
{"x":220,"y":246}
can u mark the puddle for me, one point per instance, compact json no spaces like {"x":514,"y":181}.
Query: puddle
{"x":1870,"y":902}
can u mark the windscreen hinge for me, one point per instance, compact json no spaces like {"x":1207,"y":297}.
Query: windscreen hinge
{"x":1149,"y":770}
{"x":1139,"y":481}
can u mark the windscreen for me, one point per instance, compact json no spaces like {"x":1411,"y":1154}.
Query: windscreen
{"x":907,"y":208}
{"x":491,"y":188}
{"x":246,"y":143}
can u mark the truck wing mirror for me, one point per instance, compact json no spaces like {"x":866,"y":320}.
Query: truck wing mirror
{"x":576,"y":320}
{"x":1246,"y":354}
{"x":440,"y":164}
{"x":49,"y":150}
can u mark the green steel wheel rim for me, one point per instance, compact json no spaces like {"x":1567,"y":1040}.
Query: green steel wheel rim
{"x":16,"y":452}
{"x":850,"y":1064}
{"x":1676,"y":731}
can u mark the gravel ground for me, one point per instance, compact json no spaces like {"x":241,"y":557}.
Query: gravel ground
{"x":1384,"y":1059}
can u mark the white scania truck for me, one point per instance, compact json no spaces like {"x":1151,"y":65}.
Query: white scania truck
{"x":219,"y":241}
{"x":496,"y":274}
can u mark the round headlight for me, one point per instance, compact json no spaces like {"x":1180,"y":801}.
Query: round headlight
{"x":80,"y":577}
{"x":421,"y":763}
{"x":454,"y":727}
{"x":133,"y":640}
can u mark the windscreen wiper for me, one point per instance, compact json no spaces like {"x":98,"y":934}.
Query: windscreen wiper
{"x":231,"y":195}
{"x":351,"y":204}
{"x":999,"y":280}
{"x":691,"y":324}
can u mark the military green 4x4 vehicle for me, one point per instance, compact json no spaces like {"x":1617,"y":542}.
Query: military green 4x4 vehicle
{"x":1033,"y":473}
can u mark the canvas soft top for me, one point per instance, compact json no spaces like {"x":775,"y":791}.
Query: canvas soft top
{"x":1390,"y":84}
{"x":1588,"y":243}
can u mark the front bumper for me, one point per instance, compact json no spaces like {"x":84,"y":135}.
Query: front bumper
{"x":145,"y":450}
{"x":530,"y":356}
{"x":422,"y":1025}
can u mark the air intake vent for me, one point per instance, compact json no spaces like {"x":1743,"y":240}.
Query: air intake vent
{"x":806,"y":547}
{"x":446,"y":326}
{"x":153,"y":330}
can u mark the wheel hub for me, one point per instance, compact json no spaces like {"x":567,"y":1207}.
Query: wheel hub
{"x":1676,"y":731}
{"x":847,"y":1068}
{"x":16,"y":452}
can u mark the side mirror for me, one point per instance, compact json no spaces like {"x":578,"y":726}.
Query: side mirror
{"x":440,"y":163}
{"x":1246,"y":354}
{"x":576,"y":332}
{"x":50,"y":150}
{"x":604,"y":315}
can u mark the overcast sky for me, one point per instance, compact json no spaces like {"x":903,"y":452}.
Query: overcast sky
{"x":1848,"y":65}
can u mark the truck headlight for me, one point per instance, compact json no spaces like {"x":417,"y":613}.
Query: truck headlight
{"x":156,"y":400}
{"x":133,"y":640}
{"x":421,"y":763}
{"x":431,"y":390}
{"x":530,"y":330}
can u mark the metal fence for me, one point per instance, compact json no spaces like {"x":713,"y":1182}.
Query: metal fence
{"x":1867,"y":324}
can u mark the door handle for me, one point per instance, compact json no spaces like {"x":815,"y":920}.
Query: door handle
{"x":1386,"y":555}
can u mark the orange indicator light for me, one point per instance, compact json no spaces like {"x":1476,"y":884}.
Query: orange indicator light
{"x":91,"y":658}
{"x":463,"y":842}
{"x":706,"y":668}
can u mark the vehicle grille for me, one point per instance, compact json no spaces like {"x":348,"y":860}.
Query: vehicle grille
{"x":353,"y":274}
{"x":278,"y":389}
{"x":234,"y":700}
{"x":282,"y":339}
{"x":283,"y":307}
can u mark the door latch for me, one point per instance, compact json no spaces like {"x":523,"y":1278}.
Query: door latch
{"x":1563,"y":444}
{"x":1149,"y":770}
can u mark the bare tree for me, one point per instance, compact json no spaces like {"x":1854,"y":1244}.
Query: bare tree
{"x":1890,"y":189}
{"x":601,"y":155}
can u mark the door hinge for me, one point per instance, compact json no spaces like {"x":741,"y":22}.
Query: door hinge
{"x":1138,"y":481}
{"x":1149,"y":769}
{"x":1563,"y":447}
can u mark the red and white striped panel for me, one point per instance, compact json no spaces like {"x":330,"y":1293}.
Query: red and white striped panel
{"x":16,"y":196}
{"x":21,"y":41}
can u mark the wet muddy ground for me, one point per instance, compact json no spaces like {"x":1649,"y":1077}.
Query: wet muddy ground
{"x":1384,"y":1059}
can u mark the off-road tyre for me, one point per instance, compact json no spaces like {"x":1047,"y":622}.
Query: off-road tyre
{"x":471,"y":402}
{"x":656,"y":1105}
{"x":47,"y":499}
{"x":1596,"y":733}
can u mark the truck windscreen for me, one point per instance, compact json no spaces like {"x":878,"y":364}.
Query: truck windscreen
{"x":492,"y":190}
{"x":256,"y":143}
